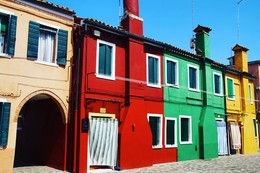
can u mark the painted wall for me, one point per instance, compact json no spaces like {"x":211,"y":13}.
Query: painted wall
{"x":203,"y":107}
{"x":241,"y":109}
{"x":22,"y":78}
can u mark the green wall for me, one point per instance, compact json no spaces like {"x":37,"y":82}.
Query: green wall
{"x":203,"y":107}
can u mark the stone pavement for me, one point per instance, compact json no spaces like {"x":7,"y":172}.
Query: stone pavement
{"x":223,"y":164}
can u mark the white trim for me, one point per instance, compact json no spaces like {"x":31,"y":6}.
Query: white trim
{"x":250,"y":88}
{"x":221,"y":84}
{"x":49,"y":25}
{"x":190,"y":129}
{"x":176,"y":72}
{"x":4,"y":55}
{"x":160,"y":145}
{"x":133,"y":17}
{"x":175,"y":133}
{"x":112,"y":76}
{"x":46,"y":63}
{"x":6,"y":12}
{"x":234,"y":92}
{"x":3,"y":100}
{"x":197,"y":89}
{"x":158,"y":85}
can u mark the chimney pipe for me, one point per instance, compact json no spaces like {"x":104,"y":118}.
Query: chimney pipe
{"x":131,"y":7}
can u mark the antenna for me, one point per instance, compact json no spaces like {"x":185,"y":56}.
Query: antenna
{"x":192,"y":40}
{"x":238,"y":20}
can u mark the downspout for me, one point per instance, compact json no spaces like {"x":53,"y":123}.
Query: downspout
{"x":225,"y":107}
{"x":76,"y":106}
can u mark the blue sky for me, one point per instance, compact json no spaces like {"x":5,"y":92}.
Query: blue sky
{"x":170,"y":21}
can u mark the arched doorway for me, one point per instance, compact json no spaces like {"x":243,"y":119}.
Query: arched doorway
{"x":40,"y":133}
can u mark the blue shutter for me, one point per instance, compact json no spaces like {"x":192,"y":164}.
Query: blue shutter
{"x":156,"y":71}
{"x":4,"y":122}
{"x":11,"y":35}
{"x":62,"y":47}
{"x":150,"y":70}
{"x":33,"y":39}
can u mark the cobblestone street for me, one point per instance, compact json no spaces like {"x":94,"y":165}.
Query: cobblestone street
{"x":225,"y":164}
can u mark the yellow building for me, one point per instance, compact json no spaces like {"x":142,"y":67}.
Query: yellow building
{"x":35,"y":55}
{"x":240,"y":104}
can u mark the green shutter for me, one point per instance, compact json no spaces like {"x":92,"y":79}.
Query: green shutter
{"x":62,"y":47}
{"x":170,"y":132}
{"x":4,"y":122}
{"x":3,"y":21}
{"x":154,"y":125}
{"x":33,"y":39}
{"x":101,"y":60}
{"x":150,"y":70}
{"x":11,"y":35}
{"x":108,"y":60}
{"x":156,"y":71}
{"x":185,"y":129}
{"x":217,"y":84}
{"x":230,"y":88}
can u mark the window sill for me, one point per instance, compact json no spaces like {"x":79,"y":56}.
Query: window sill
{"x":171,"y":146}
{"x":172,"y":86}
{"x":194,"y":90}
{"x":232,"y":99}
{"x":46,"y":63}
{"x":219,"y":95}
{"x":4,"y":55}
{"x":154,"y":86}
{"x":189,"y":142}
{"x":105,"y":77}
{"x":157,"y":147}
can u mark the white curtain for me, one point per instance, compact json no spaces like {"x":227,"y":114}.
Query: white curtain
{"x":103,"y":138}
{"x":235,"y":136}
{"x":46,"y":47}
{"x":222,"y":138}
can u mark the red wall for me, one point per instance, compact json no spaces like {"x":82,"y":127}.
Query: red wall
{"x":133,"y":100}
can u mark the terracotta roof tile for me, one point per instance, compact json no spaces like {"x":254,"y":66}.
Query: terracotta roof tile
{"x":56,"y":6}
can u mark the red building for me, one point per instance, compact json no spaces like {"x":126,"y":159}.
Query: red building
{"x":117,"y":114}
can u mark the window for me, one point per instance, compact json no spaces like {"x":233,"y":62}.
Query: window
{"x":105,"y":60}
{"x":155,"y":122}
{"x":47,"y":44}
{"x":217,"y":84}
{"x":171,"y":72}
{"x":7,"y":34}
{"x":153,"y":70}
{"x":255,"y":127}
{"x":230,"y":89}
{"x":185,"y":130}
{"x":170,"y":132}
{"x":4,"y":122}
{"x":250,"y":93}
{"x":193,"y":78}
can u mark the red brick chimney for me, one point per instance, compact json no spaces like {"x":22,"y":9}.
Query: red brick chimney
{"x":131,"y":20}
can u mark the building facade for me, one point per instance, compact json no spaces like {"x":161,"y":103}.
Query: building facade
{"x":254,"y":69}
{"x":240,"y":104}
{"x":35,"y":54}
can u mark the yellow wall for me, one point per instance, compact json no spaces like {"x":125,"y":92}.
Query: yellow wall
{"x":22,"y":79}
{"x":241,"y":109}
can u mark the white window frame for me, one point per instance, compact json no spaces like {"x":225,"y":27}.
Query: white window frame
{"x":250,"y":93}
{"x":190,"y":129}
{"x":160,"y":145}
{"x":158,"y":85}
{"x":112,"y":76}
{"x":56,"y":46}
{"x":198,"y":78}
{"x":234,"y":92}
{"x":5,"y":12}
{"x":175,"y":133}
{"x":176,"y":72}
{"x":221,"y":84}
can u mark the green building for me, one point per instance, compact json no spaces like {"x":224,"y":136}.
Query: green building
{"x":194,"y":99}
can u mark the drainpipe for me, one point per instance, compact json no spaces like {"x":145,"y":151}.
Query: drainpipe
{"x":225,"y":107}
{"x":76,"y":106}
